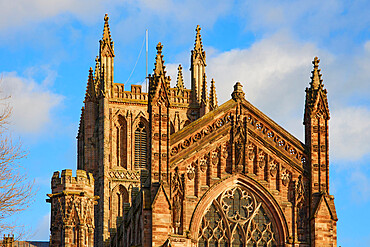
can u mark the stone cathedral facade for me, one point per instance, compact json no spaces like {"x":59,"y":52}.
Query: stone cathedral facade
{"x":171,"y":167}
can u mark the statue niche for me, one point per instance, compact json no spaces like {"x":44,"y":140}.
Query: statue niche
{"x":177,"y":185}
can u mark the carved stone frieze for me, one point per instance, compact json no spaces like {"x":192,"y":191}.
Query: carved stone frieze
{"x":218,"y":123}
{"x":280,"y":142}
{"x":129,"y":175}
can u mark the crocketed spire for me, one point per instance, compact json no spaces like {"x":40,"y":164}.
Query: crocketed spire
{"x":198,"y":46}
{"x":316,"y":95}
{"x":159,"y":68}
{"x":106,"y":32}
{"x":90,"y":88}
{"x":106,"y":43}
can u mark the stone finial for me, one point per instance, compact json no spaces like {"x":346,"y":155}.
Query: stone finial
{"x":316,"y":80}
{"x":159,"y":48}
{"x":238,"y":93}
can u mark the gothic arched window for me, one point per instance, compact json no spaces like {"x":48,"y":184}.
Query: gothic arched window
{"x":140,"y":146}
{"x":237,"y":218}
{"x":120,"y":144}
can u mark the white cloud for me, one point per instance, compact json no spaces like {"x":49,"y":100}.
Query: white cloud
{"x":310,"y":19}
{"x":349,"y":133}
{"x":31,"y":102}
{"x":274,"y":72}
{"x":361,"y":186}
{"x":19,"y":12}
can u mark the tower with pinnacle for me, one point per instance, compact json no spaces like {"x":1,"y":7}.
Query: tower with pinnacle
{"x":173,"y":167}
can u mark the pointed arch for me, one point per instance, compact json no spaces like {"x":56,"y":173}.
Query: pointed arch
{"x":119,"y":196}
{"x":243,"y":205}
{"x":119,"y":140}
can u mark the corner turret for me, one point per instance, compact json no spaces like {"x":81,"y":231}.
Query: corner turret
{"x":316,"y":122}
{"x":72,"y":209}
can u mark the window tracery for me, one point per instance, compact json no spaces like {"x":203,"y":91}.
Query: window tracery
{"x":237,"y":218}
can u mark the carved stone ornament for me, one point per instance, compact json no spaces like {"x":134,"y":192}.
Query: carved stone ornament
{"x":225,"y":152}
{"x":251,"y":152}
{"x":176,"y":182}
{"x":273,"y":168}
{"x":240,"y":139}
{"x":261,"y":159}
{"x":214,"y":157}
{"x":177,"y":200}
{"x":203,"y":164}
{"x":299,"y":191}
{"x":285,"y":176}
{"x":190,"y":171}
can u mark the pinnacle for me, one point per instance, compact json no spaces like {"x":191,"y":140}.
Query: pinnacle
{"x":90,"y":92}
{"x":212,"y":96}
{"x":159,"y":67}
{"x":180,"y":80}
{"x":106,"y":32}
{"x":316,"y":81}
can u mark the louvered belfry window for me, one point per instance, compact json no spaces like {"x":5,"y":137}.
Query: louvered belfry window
{"x":140,"y":146}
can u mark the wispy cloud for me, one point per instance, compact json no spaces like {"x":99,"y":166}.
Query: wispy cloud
{"x":276,"y":70}
{"x":349,"y":135}
{"x":31,"y":102}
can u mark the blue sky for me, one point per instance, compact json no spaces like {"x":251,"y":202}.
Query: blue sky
{"x":47,"y":47}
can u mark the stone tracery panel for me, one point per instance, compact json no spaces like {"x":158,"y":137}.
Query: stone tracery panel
{"x":237,"y":218}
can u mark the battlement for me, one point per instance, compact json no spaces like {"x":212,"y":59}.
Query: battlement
{"x":135,"y":93}
{"x":176,"y":96}
{"x":67,"y":182}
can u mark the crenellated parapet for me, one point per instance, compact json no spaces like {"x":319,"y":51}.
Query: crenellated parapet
{"x":136,"y":93}
{"x":66,"y":182}
{"x":72,"y":209}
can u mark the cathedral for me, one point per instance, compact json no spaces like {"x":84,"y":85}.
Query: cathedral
{"x":171,"y":167}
